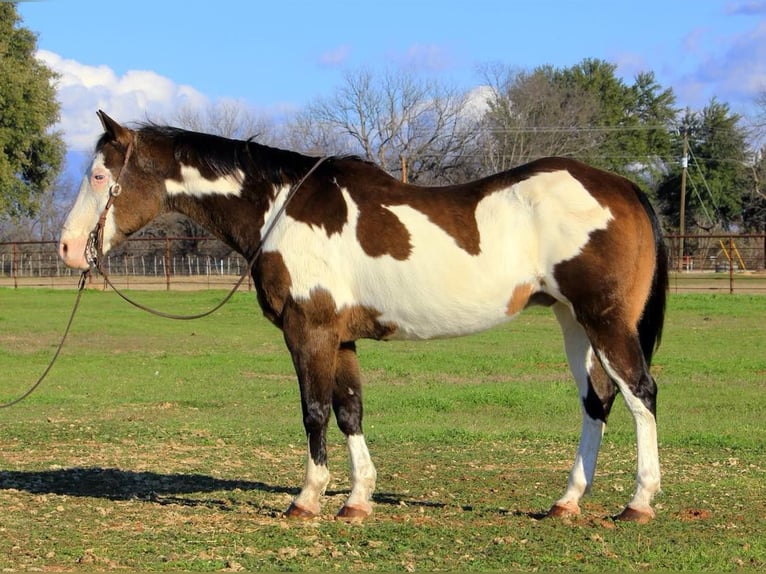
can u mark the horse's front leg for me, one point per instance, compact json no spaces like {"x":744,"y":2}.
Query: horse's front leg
{"x":314,"y":348}
{"x":347,"y":404}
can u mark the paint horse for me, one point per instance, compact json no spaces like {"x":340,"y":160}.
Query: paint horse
{"x":356,"y":254}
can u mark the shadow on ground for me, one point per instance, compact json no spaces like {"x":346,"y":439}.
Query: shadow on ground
{"x":119,"y":484}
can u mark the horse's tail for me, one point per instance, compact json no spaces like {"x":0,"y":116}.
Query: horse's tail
{"x":653,"y":318}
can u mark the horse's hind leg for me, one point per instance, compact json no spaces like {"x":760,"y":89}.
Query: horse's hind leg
{"x":347,"y":404}
{"x":597,"y":394}
{"x":620,"y":354}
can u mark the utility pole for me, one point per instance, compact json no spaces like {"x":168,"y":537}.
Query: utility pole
{"x":682,"y":221}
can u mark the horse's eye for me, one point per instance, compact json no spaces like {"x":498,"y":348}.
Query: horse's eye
{"x":99,"y":177}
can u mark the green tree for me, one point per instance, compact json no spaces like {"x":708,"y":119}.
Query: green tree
{"x":718,"y":176}
{"x":636,"y":119}
{"x":30,"y":153}
{"x":754,"y":208}
{"x":585,"y":112}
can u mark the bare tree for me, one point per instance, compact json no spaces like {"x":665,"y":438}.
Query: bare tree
{"x":395,"y":120}
{"x":530,"y":115}
{"x":49,"y":213}
{"x":227,"y":118}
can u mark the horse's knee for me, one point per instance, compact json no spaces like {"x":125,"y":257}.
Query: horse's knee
{"x":347,"y":392}
{"x":349,"y":417}
{"x":315,"y":417}
{"x":601,"y":393}
{"x":646,"y":392}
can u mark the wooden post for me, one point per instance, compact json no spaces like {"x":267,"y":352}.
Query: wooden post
{"x":403,"y":159}
{"x":731,"y":264}
{"x":14,"y":265}
{"x":682,"y":216}
{"x":167,"y":264}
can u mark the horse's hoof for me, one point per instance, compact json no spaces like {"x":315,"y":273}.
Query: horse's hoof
{"x":563,"y":511}
{"x":353,"y":514}
{"x":639,"y":515}
{"x":300,"y":513}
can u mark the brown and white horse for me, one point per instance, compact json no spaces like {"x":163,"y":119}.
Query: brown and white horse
{"x":357,"y":254}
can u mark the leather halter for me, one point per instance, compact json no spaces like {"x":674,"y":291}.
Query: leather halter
{"x":94,"y":246}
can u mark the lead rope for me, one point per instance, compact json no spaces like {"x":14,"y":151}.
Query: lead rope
{"x":113,"y":192}
{"x":95,"y":255}
{"x":32,"y":389}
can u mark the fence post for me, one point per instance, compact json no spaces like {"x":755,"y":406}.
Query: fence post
{"x":14,"y":264}
{"x":731,"y":264}
{"x":167,"y":264}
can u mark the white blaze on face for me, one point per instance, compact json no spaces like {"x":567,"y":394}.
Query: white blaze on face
{"x":90,"y":203}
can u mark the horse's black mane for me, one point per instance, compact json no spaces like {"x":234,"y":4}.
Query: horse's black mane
{"x":223,"y":156}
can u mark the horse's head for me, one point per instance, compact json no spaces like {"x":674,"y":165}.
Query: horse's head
{"x":119,"y":170}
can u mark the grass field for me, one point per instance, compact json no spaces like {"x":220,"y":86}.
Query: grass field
{"x":160,"y":445}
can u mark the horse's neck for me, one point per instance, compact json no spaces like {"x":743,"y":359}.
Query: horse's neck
{"x":234,"y":218}
{"x":235,"y":207}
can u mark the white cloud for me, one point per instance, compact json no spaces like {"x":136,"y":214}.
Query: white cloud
{"x":425,"y":58}
{"x":336,"y":57}
{"x":477,"y":102}
{"x":753,"y":8}
{"x":734,"y":70}
{"x":137,"y":95}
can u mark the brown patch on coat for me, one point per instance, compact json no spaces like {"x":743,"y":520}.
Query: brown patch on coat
{"x":519,"y":299}
{"x":380,"y":232}
{"x":272,"y":284}
{"x":361,"y":322}
{"x":454,"y":211}
{"x":611,"y":278}
{"x":451,"y":208}
{"x":319,"y":204}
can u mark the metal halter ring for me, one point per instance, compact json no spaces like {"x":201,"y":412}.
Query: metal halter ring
{"x":91,"y":249}
{"x":115,"y":190}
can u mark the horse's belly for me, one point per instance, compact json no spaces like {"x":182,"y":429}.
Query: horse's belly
{"x":429,"y":322}
{"x":447,"y":304}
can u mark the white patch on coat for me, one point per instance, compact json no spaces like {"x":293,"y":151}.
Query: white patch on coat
{"x":581,"y":361}
{"x":314,"y":485}
{"x":194,"y":184}
{"x":363,"y":473}
{"x":441,"y":290}
{"x":648,"y":475}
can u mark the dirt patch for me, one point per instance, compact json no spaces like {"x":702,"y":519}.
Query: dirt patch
{"x":694,"y":514}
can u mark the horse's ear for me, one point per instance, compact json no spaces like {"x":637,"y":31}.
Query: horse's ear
{"x":119,"y":133}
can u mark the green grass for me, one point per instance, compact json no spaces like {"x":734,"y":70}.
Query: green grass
{"x":164,"y":445}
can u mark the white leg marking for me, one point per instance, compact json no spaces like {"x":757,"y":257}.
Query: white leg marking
{"x":648,"y":475}
{"x":363,"y":473}
{"x":580,"y":357}
{"x":317,"y":479}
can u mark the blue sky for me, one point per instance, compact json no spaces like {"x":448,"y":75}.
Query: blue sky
{"x":141,"y":57}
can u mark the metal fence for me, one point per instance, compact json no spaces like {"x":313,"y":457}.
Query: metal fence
{"x":702,"y":263}
{"x":141,"y":263}
{"x":718,"y":262}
